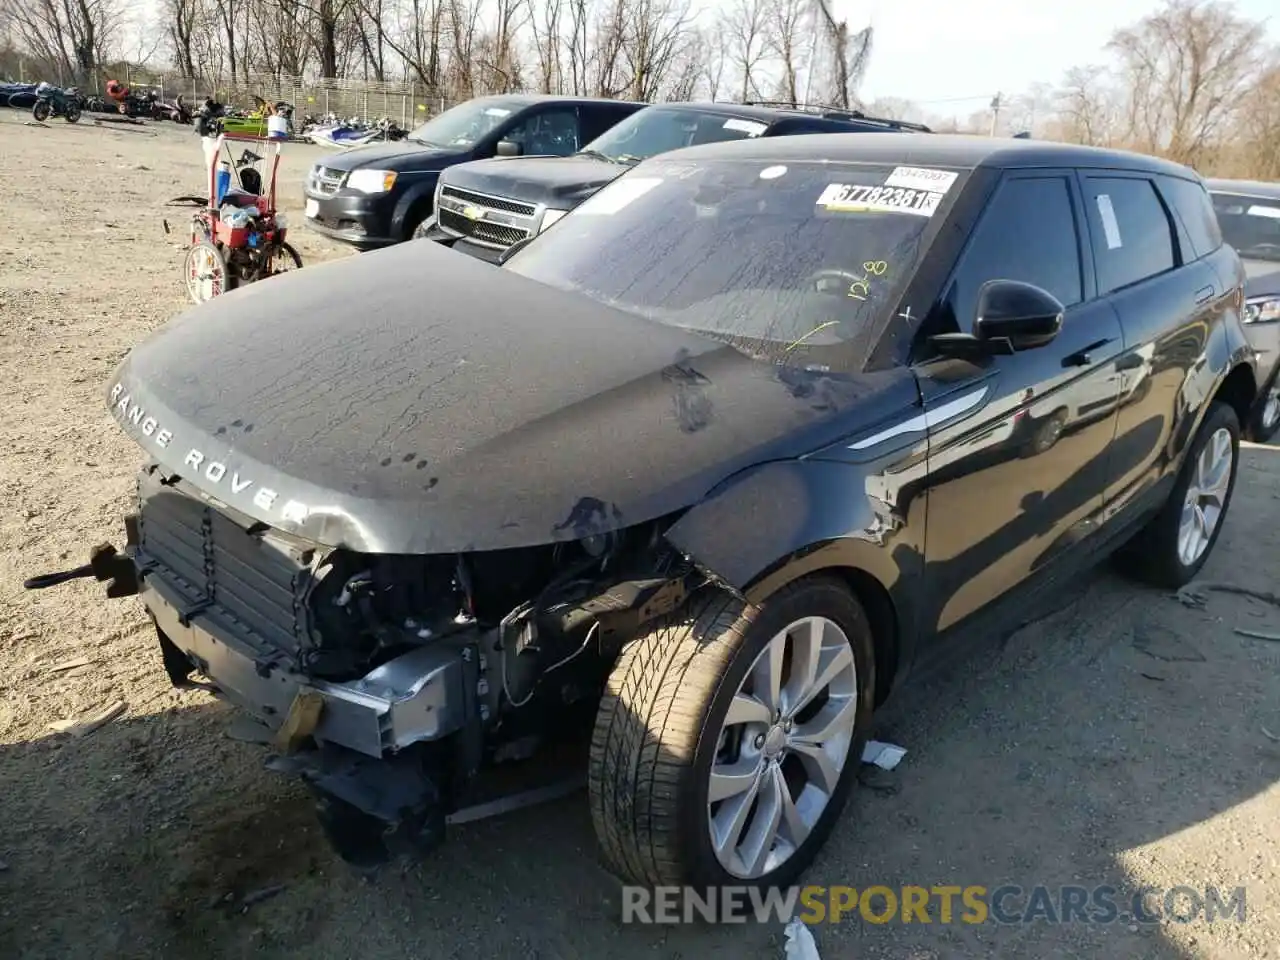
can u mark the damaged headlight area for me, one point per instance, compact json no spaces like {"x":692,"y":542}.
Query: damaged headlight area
{"x":388,"y":681}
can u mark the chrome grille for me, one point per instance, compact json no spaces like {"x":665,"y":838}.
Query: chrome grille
{"x":491,"y":203}
{"x":482,"y":232}
{"x":325,"y":181}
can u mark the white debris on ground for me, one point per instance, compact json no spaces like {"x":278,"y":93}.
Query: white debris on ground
{"x":800,"y":944}
{"x":886,"y":756}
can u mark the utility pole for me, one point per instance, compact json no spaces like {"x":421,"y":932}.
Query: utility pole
{"x":995,"y":113}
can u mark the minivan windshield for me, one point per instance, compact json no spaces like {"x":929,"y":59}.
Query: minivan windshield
{"x":762,"y":255}
{"x":654,"y":130}
{"x":1250,"y":224}
{"x":465,"y":125}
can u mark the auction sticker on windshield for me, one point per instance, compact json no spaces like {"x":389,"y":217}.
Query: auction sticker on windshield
{"x":851,"y":198}
{"x":921,"y":178}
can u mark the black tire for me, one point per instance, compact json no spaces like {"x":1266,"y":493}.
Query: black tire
{"x":658,"y":727}
{"x":41,"y":109}
{"x":1259,"y":430}
{"x":420,"y":227}
{"x":291,"y":255}
{"x":73,"y":114}
{"x":1152,"y":555}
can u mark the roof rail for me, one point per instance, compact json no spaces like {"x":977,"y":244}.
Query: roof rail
{"x":832,"y":112}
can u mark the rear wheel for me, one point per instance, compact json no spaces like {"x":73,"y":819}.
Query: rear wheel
{"x":73,"y":114}
{"x":41,"y":110}
{"x":1172,"y":548}
{"x":728,"y":737}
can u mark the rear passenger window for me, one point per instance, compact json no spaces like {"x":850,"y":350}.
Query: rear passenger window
{"x":1131,"y":233}
{"x":1027,"y":233}
{"x":1195,"y":210}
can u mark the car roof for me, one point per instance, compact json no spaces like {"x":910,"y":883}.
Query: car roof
{"x":940,"y":149}
{"x":532,"y":99}
{"x":1252,"y":188}
{"x":770,"y":113}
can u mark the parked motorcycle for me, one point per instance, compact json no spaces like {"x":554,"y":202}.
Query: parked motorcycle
{"x":54,"y":101}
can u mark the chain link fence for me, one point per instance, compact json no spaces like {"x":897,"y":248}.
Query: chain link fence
{"x":402,"y":101}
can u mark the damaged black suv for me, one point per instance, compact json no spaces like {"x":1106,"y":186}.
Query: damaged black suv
{"x":711,"y":465}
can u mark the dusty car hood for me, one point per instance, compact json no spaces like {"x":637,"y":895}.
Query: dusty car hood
{"x":413,"y":400}
{"x":397,"y":155}
{"x":562,"y":182}
{"x":1263,"y":278}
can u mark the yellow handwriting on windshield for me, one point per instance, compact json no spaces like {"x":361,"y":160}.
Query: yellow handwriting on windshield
{"x":818,"y":329}
{"x":860,"y":289}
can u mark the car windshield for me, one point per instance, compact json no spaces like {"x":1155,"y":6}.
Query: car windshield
{"x":761,"y":255}
{"x":654,"y":130}
{"x":1250,"y":224}
{"x":464,"y":125}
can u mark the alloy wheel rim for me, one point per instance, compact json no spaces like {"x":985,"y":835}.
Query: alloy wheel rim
{"x":1206,"y":498}
{"x":782,"y":747}
{"x":1271,"y":411}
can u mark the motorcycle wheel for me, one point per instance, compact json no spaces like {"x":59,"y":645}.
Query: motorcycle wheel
{"x":73,"y":114}
{"x":41,"y":110}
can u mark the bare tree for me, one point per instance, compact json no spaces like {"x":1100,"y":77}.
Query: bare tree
{"x":72,"y":36}
{"x":1186,"y":68}
{"x":786,"y":23}
{"x":845,"y":56}
{"x":745,"y":30}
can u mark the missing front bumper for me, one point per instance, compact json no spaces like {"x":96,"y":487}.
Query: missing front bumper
{"x":419,"y":696}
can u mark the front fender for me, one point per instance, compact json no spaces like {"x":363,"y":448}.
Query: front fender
{"x":774,"y":523}
{"x":415,"y":204}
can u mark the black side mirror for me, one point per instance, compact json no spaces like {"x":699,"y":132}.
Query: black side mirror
{"x":1010,"y":316}
{"x":508,"y":148}
{"x":1021,"y":313}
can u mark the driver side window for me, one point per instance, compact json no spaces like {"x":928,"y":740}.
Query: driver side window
{"x":551,"y":132}
{"x":1027,"y":233}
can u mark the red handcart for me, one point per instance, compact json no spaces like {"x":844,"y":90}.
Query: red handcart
{"x":239,"y":237}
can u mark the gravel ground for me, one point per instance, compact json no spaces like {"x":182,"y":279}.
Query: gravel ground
{"x":1120,"y":739}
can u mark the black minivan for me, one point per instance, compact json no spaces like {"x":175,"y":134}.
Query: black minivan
{"x":377,"y":195}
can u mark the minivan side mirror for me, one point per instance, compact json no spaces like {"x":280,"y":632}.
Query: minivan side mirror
{"x":1010,"y":316}
{"x":508,"y":148}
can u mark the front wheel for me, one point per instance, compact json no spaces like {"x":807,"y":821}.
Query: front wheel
{"x":1266,"y":419}
{"x":206,"y":272}
{"x":1176,"y":543}
{"x":41,"y":110}
{"x":728,"y":737}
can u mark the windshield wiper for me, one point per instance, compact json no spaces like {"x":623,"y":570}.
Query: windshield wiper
{"x":587,"y":152}
{"x":425,"y":143}
{"x":629,"y":158}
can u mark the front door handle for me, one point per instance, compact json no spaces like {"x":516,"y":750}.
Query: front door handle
{"x":1082,"y":358}
{"x":1203,"y":294}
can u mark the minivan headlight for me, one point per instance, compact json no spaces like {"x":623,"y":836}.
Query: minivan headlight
{"x":371,"y":181}
{"x":1262,"y":309}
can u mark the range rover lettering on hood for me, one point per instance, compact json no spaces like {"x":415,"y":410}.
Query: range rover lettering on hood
{"x":213,"y":473}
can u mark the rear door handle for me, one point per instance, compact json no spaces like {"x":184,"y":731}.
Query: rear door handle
{"x":1082,"y":358}
{"x":1203,"y":294}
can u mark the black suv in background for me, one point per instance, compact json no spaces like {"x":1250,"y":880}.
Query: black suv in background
{"x":377,"y":195}
{"x":483,"y":208}
{"x":1249,"y":214}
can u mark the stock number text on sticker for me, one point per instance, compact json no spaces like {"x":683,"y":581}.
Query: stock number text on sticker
{"x":852,"y":197}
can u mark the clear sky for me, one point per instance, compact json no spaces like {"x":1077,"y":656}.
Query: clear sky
{"x":937,"y":50}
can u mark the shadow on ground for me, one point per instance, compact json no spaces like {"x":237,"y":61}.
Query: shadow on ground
{"x":1120,"y":740}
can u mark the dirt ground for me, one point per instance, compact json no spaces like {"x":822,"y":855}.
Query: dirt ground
{"x":1121,"y":739}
